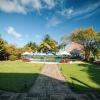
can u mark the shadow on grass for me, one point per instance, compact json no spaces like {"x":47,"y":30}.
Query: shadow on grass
{"x":75,"y":79}
{"x":22,"y":82}
{"x":17,"y":82}
{"x":81,"y":88}
{"x":93,"y":72}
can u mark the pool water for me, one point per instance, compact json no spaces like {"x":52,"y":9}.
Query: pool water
{"x":42,"y":60}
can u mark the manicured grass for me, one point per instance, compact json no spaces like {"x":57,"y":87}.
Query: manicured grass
{"x":18,"y":76}
{"x":82,"y":77}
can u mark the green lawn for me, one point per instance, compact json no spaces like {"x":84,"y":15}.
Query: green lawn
{"x":18,"y":76}
{"x":82,"y":77}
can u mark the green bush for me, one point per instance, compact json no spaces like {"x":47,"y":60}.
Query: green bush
{"x":12,"y":57}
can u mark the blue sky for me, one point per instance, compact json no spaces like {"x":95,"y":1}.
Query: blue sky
{"x":22,"y":21}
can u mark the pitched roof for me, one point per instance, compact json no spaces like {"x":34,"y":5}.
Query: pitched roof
{"x":73,"y":46}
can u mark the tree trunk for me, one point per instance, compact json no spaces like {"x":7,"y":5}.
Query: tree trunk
{"x":87,"y":54}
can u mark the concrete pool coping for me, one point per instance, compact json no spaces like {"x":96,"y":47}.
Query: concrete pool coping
{"x":46,"y":62}
{"x":71,"y":62}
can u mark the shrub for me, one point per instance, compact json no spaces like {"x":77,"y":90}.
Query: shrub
{"x":12,"y":57}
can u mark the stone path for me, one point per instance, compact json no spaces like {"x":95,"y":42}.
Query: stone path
{"x":50,"y":85}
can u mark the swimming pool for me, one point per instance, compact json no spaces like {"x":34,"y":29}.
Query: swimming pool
{"x":46,"y":60}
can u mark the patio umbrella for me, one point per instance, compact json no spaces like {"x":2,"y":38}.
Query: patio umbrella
{"x":28,"y":53}
{"x":40,"y":54}
{"x":65,"y":53}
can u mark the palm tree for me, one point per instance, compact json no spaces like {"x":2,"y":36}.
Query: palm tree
{"x":48,"y":45}
{"x":32,"y":46}
{"x":47,"y":38}
{"x":44,"y":47}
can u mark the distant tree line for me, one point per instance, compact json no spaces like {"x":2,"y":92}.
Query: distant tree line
{"x":48,"y":45}
{"x":88,"y":38}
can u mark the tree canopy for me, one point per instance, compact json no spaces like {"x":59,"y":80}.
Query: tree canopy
{"x":31,"y":47}
{"x":89,"y":39}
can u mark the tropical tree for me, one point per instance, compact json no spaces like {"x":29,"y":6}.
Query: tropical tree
{"x":2,"y":49}
{"x":62,"y":45}
{"x":48,"y":45}
{"x":31,"y":47}
{"x":46,"y":38}
{"x":12,"y":50}
{"x":95,"y":48}
{"x":6,"y":50}
{"x":44,"y":47}
{"x":89,"y":39}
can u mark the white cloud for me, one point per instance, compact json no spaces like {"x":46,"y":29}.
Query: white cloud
{"x":85,"y":16}
{"x":11,"y":6}
{"x":70,"y":12}
{"x":54,"y":21}
{"x":11,"y":31}
{"x":66,"y":12}
{"x":23,"y":6}
{"x":37,"y":4}
{"x":87,"y":9}
{"x":50,"y":3}
{"x":25,"y":2}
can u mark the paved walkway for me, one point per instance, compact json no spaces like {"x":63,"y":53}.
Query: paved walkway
{"x":51,"y":85}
